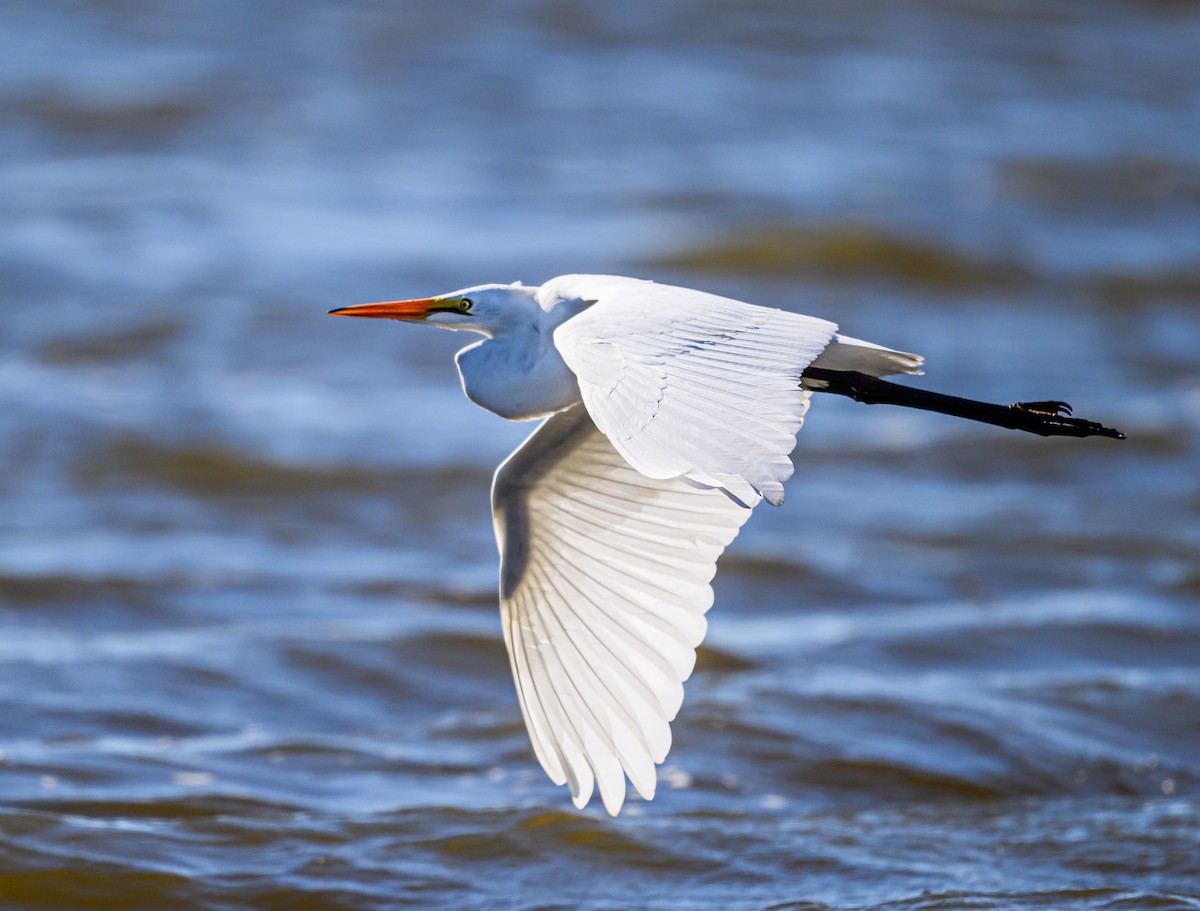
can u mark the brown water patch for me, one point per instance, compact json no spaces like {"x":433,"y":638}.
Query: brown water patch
{"x":134,"y":461}
{"x":842,"y":252}
{"x":1057,"y":899}
{"x":113,"y":347}
{"x":785,"y":573}
{"x":99,"y":886}
{"x":774,"y":569}
{"x":482,"y":837}
{"x":146,"y":723}
{"x":61,"y":588}
{"x":136,"y":118}
{"x":483,"y":728}
{"x":204,"y":470}
{"x":1029,"y":542}
{"x":1138,"y":289}
{"x":1189,"y":586}
{"x":399,"y":590}
{"x":206,"y":806}
{"x":710,"y":659}
{"x":466,"y":655}
{"x":881,"y":778}
{"x":1125,"y":182}
{"x":600,"y":840}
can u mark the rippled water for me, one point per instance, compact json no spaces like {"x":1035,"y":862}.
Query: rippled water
{"x":249,"y":649}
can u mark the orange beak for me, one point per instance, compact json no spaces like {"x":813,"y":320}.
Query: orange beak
{"x":409,"y":310}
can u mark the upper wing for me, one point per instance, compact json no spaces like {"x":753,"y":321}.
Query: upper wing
{"x":604,"y":583}
{"x":688,"y":383}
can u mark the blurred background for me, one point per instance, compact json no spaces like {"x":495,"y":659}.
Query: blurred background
{"x":249,"y":647}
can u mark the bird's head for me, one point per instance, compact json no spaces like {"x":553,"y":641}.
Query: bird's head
{"x":484,"y":308}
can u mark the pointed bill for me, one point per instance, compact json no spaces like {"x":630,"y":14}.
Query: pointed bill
{"x":420,"y":308}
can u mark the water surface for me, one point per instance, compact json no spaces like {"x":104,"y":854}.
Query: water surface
{"x":249,"y":648}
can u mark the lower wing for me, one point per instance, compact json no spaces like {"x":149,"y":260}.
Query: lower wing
{"x":604,"y":583}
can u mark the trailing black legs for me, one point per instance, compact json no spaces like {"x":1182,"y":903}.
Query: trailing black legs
{"x":1044,"y":418}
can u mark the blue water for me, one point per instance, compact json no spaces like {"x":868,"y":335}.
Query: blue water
{"x":249,"y":647}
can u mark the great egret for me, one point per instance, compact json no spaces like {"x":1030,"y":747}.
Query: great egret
{"x":668,"y":415}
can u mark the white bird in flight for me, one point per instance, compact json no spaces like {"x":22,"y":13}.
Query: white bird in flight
{"x":667,"y":415}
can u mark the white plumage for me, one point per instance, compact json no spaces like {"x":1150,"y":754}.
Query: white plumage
{"x":669,"y":414}
{"x":691,"y":385}
{"x":604,"y":583}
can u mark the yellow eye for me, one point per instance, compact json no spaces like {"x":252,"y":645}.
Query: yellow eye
{"x":465,"y":304}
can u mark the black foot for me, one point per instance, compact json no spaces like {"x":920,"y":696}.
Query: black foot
{"x":1054,"y":419}
{"x":1051,"y":408}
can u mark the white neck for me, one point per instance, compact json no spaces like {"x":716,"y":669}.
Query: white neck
{"x":517,"y":371}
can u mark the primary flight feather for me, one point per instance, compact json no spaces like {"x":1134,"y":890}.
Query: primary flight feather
{"x":667,"y":415}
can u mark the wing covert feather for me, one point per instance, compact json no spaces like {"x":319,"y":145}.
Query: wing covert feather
{"x":605,"y":578}
{"x":691,"y":384}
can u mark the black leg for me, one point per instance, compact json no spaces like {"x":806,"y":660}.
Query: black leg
{"x":1045,"y":418}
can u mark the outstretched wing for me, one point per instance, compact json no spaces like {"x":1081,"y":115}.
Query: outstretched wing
{"x":691,"y":384}
{"x":604,"y":583}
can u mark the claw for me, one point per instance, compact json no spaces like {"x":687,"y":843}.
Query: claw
{"x":1050,"y":408}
